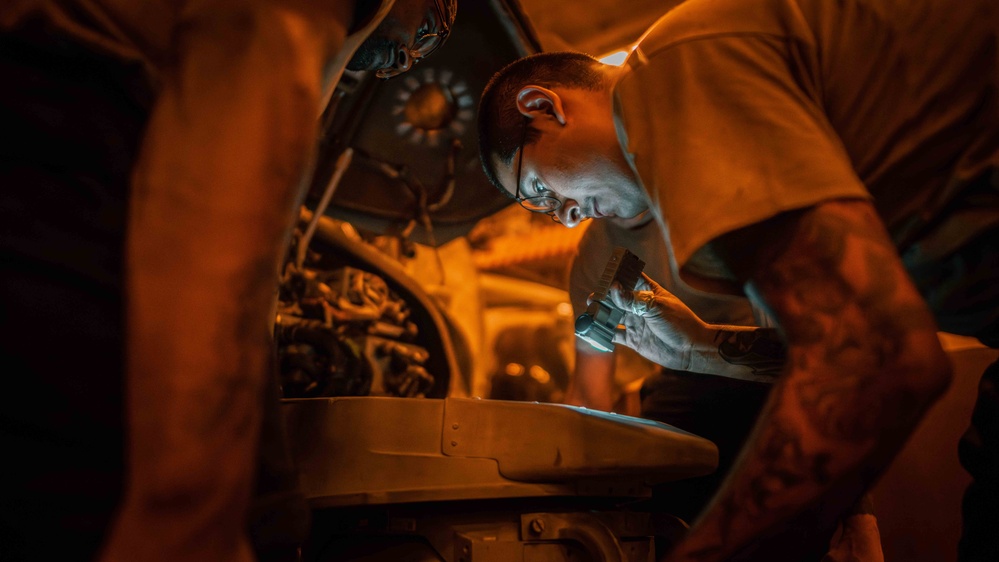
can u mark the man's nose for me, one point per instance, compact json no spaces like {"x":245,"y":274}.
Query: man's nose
{"x":403,"y":60}
{"x":569,"y":213}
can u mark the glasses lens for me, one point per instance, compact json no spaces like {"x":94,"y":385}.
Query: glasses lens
{"x":426,"y":45}
{"x":433,"y":39}
{"x":541,"y":204}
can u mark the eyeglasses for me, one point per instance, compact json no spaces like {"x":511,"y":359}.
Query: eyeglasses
{"x":425,"y":45}
{"x":538,"y":204}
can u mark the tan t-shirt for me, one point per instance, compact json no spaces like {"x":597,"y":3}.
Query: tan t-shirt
{"x":732,"y":111}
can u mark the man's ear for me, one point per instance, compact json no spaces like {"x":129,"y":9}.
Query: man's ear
{"x":536,"y":101}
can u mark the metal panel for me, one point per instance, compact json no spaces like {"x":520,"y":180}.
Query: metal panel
{"x":546,"y":442}
{"x":357,"y":451}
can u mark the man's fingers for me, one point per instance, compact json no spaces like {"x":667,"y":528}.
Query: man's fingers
{"x":620,"y":297}
{"x":645,"y":283}
{"x":643,"y":302}
{"x":639,"y":303}
{"x":631,"y":327}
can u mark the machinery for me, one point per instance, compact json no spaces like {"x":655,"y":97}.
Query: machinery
{"x":463,"y":480}
{"x":350,"y":321}
{"x":397,"y":464}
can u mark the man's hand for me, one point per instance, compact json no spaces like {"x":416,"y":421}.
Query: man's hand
{"x":664,"y":330}
{"x":656,"y":324}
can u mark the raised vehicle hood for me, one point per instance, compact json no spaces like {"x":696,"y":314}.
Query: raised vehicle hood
{"x":407,"y":133}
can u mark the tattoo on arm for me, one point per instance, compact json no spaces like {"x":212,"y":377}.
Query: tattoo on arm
{"x":761,"y":350}
{"x":851,"y":318}
{"x":788,"y":463}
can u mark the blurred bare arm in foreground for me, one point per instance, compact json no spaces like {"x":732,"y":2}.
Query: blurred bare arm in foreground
{"x":214,"y":197}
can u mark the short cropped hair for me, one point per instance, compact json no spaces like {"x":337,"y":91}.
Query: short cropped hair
{"x":501,"y":125}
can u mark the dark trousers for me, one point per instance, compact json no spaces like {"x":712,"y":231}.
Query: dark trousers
{"x":963,"y":291}
{"x":69,"y":132}
{"x":71,"y":125}
{"x":722,"y":410}
{"x":979,"y":454}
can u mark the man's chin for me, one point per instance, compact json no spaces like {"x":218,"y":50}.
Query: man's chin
{"x":356,"y":67}
{"x":373,"y":54}
{"x":639,"y":219}
{"x":365,"y":62}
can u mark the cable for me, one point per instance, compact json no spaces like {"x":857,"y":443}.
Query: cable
{"x":342,"y":163}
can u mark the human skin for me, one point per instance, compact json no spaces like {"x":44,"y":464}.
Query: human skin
{"x":577,"y":157}
{"x":864,"y":364}
{"x":665,"y":331}
{"x":863,"y":359}
{"x":385,"y":47}
{"x":214,"y":196}
{"x":592,"y":383}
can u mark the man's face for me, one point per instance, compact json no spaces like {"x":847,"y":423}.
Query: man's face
{"x":411,"y":31}
{"x":586,"y":172}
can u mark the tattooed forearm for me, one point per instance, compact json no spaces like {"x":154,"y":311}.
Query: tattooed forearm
{"x":761,"y":349}
{"x":790,"y":464}
{"x":863,"y":363}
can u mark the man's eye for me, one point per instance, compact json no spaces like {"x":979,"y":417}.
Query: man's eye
{"x":539,"y":190}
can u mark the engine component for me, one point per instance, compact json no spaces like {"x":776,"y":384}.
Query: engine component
{"x":344,"y":332}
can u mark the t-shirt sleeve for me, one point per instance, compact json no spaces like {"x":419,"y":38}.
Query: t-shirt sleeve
{"x":727,"y":131}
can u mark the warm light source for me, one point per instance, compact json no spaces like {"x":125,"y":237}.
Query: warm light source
{"x":617,"y":58}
